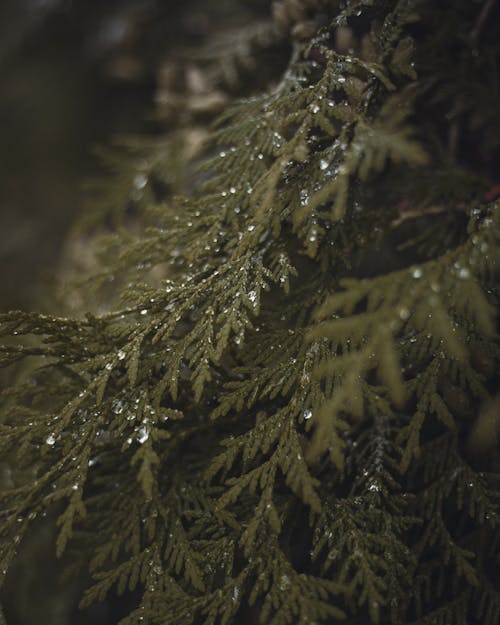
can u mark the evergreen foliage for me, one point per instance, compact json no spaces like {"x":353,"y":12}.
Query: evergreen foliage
{"x":286,"y":411}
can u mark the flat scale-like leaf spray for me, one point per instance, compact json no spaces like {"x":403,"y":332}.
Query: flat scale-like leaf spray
{"x":285,"y":410}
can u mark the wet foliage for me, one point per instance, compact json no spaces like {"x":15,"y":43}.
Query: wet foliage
{"x":280,"y":407}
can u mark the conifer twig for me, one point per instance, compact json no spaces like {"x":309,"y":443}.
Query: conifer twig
{"x":481,"y":19}
{"x":407,"y":213}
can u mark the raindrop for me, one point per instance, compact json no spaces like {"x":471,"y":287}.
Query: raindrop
{"x":464,"y":273}
{"x":404,"y":313}
{"x":143,"y":435}
{"x":277,"y":140}
{"x":117,"y":406}
{"x":140,"y":181}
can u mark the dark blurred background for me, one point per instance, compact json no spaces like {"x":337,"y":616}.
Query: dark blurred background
{"x":73,"y":74}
